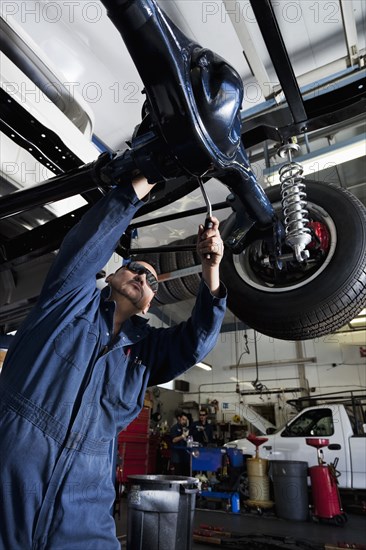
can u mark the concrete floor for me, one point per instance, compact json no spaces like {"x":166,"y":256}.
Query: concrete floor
{"x":350,"y":535}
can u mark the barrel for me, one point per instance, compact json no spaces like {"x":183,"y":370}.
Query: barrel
{"x":160,"y":512}
{"x":258,"y":479}
{"x":290,"y":489}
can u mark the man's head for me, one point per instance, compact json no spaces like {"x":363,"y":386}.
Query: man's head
{"x":136,"y":282}
{"x":203,"y":416}
{"x":183,"y":420}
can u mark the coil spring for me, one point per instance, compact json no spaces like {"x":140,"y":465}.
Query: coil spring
{"x":293,"y":194}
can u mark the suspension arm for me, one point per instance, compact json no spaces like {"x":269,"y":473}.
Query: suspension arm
{"x":101,"y":173}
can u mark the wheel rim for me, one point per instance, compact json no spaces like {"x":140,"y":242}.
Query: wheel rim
{"x":256,"y":276}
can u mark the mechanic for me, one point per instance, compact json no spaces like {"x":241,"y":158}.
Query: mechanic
{"x":201,"y":430}
{"x":76,"y":374}
{"x":179,"y":461}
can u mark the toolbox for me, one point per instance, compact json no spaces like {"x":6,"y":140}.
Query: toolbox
{"x":207,"y":459}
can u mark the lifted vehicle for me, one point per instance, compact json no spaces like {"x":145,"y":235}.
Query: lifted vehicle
{"x":295,"y":255}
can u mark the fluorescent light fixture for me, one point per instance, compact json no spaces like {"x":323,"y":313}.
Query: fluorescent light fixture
{"x":65,"y":206}
{"x":203,"y":366}
{"x":358,"y":321}
{"x":167,"y":385}
{"x":357,"y":324}
{"x":322,"y":158}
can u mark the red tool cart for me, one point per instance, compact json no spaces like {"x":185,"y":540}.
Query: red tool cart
{"x":324,"y":486}
{"x":133,"y":446}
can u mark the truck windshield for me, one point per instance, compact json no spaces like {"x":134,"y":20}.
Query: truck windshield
{"x":315,"y":422}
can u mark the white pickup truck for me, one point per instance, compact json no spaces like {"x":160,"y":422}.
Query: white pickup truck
{"x":342,"y":424}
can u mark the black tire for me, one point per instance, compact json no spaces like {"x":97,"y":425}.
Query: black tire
{"x":190,"y":258}
{"x":315,"y":304}
{"x":340,"y":520}
{"x":168,"y":262}
{"x":174,"y":290}
{"x":244,"y":486}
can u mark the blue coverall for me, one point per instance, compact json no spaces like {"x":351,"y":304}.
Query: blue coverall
{"x":202,"y":433}
{"x":179,"y":455}
{"x":63,"y":398}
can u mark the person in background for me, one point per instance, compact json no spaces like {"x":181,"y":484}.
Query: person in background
{"x":179,"y":455}
{"x":201,"y":430}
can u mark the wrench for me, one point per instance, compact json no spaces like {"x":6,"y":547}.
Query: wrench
{"x":208,"y":222}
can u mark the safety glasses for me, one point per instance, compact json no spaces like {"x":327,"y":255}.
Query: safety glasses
{"x":151,"y":280}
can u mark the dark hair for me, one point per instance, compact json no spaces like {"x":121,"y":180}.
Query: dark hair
{"x":180,"y":412}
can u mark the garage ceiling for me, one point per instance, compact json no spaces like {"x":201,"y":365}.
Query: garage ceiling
{"x":323,"y":39}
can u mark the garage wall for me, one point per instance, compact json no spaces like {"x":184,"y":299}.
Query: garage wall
{"x":337,"y":366}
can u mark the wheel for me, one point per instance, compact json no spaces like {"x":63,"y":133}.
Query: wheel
{"x":304,"y":301}
{"x":244,"y":486}
{"x":179,"y":289}
{"x":341,"y":519}
{"x":168,"y":262}
{"x":190,"y":258}
{"x":183,"y":288}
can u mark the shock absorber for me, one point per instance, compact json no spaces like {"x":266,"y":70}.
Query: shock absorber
{"x":293,"y":195}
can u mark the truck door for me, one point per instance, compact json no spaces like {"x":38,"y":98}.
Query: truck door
{"x":290,"y":443}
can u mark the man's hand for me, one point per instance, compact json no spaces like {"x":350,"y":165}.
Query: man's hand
{"x":210,"y":249}
{"x":209,"y":244}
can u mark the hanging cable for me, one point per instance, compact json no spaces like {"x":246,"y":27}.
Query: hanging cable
{"x":246,"y":350}
{"x":258,"y":386}
{"x":246,"y":347}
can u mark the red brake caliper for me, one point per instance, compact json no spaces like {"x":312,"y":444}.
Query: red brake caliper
{"x":322,"y":237}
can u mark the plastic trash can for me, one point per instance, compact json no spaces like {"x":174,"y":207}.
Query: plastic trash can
{"x":160,"y":511}
{"x":290,"y":489}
